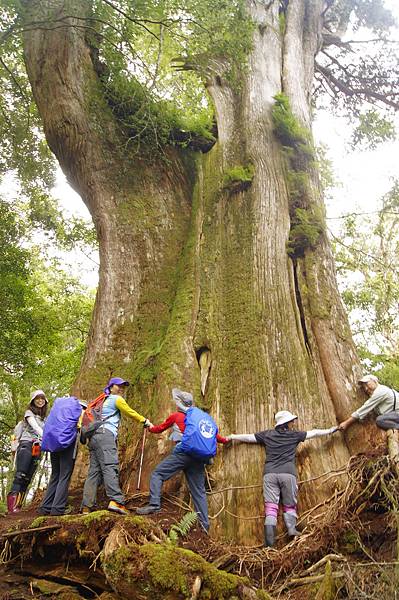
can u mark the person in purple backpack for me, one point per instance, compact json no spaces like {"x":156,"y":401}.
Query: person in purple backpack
{"x":181,"y":460}
{"x":60,"y":438}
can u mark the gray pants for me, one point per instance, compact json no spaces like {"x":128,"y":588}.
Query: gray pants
{"x":388,"y":421}
{"x":104,"y":467}
{"x":194,"y":472}
{"x":274,"y":486}
{"x":56,"y":497}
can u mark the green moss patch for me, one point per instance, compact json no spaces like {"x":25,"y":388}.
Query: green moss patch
{"x":166,"y":569}
{"x":238,"y":178}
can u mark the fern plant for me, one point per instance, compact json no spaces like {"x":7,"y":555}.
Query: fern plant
{"x":183,"y":527}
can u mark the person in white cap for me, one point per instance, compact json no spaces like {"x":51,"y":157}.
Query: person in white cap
{"x":279,"y":475}
{"x":28,"y":452}
{"x":381,"y":399}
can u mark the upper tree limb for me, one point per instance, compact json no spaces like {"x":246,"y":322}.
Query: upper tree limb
{"x":313,"y":433}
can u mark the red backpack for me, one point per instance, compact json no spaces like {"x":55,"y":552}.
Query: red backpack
{"x":92,"y":417}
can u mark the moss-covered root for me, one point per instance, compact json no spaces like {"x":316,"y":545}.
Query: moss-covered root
{"x":165,"y":571}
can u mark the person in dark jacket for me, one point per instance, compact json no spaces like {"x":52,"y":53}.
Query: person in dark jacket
{"x":279,"y":476}
{"x":60,"y":438}
{"x":193,"y":469}
{"x":28,"y":452}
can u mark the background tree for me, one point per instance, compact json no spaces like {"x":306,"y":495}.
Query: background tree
{"x":366,"y":252}
{"x":216,"y":270}
{"x":44,"y":316}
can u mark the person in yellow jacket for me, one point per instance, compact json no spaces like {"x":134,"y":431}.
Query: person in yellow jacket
{"x":104,"y":464}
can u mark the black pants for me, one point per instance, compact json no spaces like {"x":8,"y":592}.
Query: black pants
{"x":25,"y":468}
{"x":56,"y":496}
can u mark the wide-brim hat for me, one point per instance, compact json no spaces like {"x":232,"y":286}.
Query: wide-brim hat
{"x":367,"y":378}
{"x":284,"y":416}
{"x":37,"y":393}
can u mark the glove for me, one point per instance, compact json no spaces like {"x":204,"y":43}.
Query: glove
{"x":147,"y":423}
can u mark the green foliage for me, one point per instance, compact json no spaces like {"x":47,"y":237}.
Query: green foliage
{"x":239,"y":177}
{"x":183,"y":527}
{"x":287,"y":127}
{"x":306,"y":229}
{"x":44,"y":317}
{"x":23,"y":149}
{"x":307,"y":223}
{"x":372,"y":129}
{"x":367,"y":259}
{"x":154,"y":59}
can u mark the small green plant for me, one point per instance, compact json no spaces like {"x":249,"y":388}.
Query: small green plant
{"x":239,"y":178}
{"x":294,"y":137}
{"x":183,"y":527}
{"x":306,"y":229}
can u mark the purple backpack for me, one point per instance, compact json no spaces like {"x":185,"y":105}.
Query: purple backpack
{"x":61,"y":427}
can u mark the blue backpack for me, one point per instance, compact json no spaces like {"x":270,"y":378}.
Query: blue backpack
{"x":199,"y":437}
{"x":61,"y":427}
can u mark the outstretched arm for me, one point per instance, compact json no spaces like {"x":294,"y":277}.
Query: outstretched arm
{"x":313,"y":433}
{"x":125,"y":409}
{"x":243,"y":437}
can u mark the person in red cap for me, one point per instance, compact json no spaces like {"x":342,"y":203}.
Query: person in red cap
{"x":279,"y":475}
{"x":381,"y":399}
{"x":28,"y":452}
{"x":104,"y":463}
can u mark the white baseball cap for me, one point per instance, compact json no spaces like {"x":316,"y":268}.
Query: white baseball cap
{"x":284,"y":416}
{"x":367,"y":378}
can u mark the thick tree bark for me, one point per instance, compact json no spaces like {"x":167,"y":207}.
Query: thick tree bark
{"x":196,"y":287}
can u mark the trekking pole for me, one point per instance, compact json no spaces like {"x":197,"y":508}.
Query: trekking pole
{"x":141,"y":458}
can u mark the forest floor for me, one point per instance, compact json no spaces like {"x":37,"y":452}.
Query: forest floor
{"x":349,"y":550}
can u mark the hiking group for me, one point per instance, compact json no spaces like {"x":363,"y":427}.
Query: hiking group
{"x":195,"y":436}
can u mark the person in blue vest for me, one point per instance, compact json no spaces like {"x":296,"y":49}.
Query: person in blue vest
{"x":103,"y":448}
{"x":179,"y":460}
{"x":60,"y":438}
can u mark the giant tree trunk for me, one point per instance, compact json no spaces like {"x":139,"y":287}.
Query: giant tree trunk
{"x":196,"y":288}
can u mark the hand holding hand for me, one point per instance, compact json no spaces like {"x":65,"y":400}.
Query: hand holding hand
{"x":147,"y":423}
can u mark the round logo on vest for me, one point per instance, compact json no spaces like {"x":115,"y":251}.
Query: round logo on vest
{"x":206,"y":428}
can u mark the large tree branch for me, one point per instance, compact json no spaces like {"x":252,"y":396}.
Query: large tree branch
{"x":336,"y":84}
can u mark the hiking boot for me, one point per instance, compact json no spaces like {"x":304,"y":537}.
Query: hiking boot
{"x":118,"y":508}
{"x":270,"y":536}
{"x":290,"y":523}
{"x":12,"y":503}
{"x":148,"y":509}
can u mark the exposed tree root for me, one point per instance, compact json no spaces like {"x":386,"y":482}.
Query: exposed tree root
{"x":347,"y":550}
